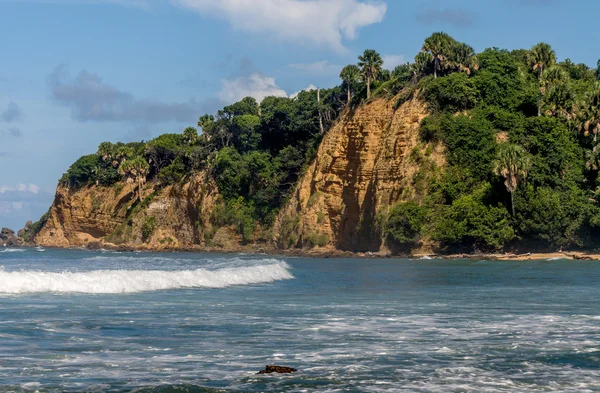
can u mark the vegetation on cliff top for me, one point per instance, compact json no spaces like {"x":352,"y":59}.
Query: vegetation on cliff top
{"x":519,"y":130}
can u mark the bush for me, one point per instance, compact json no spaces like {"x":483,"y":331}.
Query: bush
{"x":317,"y":239}
{"x":404,"y":223}
{"x":452,"y":93}
{"x":470,"y":223}
{"x":148,"y":228}
{"x":172,"y":173}
{"x":431,"y":128}
{"x":81,"y":173}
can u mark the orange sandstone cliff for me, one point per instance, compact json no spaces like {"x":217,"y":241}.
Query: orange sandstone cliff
{"x":365,"y":164}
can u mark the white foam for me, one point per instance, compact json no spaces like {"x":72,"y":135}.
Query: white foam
{"x":132,"y":281}
{"x":13,"y":250}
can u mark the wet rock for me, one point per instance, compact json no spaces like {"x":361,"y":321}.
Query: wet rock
{"x":278,"y":370}
{"x":8,"y":238}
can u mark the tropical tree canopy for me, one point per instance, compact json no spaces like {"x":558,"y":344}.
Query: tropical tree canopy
{"x":370,"y":63}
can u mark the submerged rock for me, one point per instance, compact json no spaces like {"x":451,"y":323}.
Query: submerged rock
{"x":277,"y":369}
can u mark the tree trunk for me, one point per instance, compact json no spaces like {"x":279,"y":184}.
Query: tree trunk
{"x":140,"y":189}
{"x":320,"y":115}
{"x":435,"y":67}
{"x":512,"y":204}
{"x":540,"y":96}
{"x":349,"y":94}
{"x":368,"y":87}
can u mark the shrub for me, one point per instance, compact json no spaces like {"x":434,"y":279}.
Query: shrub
{"x":81,"y":173}
{"x":453,"y":93}
{"x":317,"y":239}
{"x":404,"y":223}
{"x":148,"y":228}
{"x":172,"y":173}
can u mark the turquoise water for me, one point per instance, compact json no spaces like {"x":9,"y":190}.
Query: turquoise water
{"x":108,"y":322}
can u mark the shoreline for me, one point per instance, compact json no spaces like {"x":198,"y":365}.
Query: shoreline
{"x":328,"y":253}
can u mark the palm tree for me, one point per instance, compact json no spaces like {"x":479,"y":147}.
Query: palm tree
{"x":591,"y":122}
{"x":438,"y":45}
{"x":465,"y":59}
{"x":105,"y":151}
{"x":541,"y":57}
{"x":422,"y":64}
{"x":513,"y":163}
{"x":135,"y":169}
{"x":370,"y":64}
{"x":350,"y":75}
{"x":190,"y":135}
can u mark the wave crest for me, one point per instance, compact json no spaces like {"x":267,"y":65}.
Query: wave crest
{"x":133,"y":281}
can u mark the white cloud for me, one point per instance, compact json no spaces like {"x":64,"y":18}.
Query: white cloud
{"x":392,"y":61}
{"x":318,"y":67}
{"x":321,"y":22}
{"x":255,"y":85}
{"x":310,"y":87}
{"x":32,"y":188}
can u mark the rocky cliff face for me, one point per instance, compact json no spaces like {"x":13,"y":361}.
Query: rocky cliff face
{"x":171,"y":217}
{"x":363,"y":166}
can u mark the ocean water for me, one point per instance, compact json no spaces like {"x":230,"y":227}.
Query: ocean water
{"x":77,"y":321}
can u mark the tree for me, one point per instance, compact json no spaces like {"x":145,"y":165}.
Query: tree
{"x":598,"y":70}
{"x":190,"y":135}
{"x":513,"y":163}
{"x":465,"y":59}
{"x":136,"y":170}
{"x":422,"y":65}
{"x":540,"y":58}
{"x":438,"y":45}
{"x":370,"y":64}
{"x":350,"y":75}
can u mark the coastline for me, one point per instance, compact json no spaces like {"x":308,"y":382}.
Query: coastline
{"x":332,"y":253}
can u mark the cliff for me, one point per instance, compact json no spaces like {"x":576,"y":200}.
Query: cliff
{"x":365,"y":164}
{"x":171,"y":217}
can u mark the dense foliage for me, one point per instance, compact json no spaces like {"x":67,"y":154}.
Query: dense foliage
{"x":520,"y":134}
{"x":518,"y":128}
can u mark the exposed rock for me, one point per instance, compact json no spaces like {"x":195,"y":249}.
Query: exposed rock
{"x":95,"y":215}
{"x":8,"y":238}
{"x":277,"y":369}
{"x":363,"y":166}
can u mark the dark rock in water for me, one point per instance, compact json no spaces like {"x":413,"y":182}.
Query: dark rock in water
{"x":277,"y":369}
{"x":8,"y":238}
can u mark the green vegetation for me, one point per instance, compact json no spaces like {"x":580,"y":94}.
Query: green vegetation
{"x":148,"y":228}
{"x":520,"y":135}
{"x":519,"y":131}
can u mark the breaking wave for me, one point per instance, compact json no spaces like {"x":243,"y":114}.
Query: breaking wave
{"x":132,"y":281}
{"x":13,"y":250}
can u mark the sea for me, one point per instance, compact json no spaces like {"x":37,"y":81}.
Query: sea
{"x":83,"y":321}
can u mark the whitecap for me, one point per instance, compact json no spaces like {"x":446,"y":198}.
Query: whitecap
{"x":133,"y":281}
{"x":13,"y":250}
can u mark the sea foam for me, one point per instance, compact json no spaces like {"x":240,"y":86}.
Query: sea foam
{"x":13,"y":250}
{"x":132,"y":281}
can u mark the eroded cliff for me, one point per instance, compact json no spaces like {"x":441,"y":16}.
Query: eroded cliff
{"x":366,"y":163}
{"x":369,"y":160}
{"x":171,"y":217}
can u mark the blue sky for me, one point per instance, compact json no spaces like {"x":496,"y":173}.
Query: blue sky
{"x":74,"y":73}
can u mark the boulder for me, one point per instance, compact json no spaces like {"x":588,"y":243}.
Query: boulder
{"x":277,"y":369}
{"x":8,"y":238}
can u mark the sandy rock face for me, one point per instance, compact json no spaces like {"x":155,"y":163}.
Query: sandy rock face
{"x":362,"y":167}
{"x":98,"y":214}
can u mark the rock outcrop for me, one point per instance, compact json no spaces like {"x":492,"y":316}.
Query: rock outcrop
{"x":363,"y":166}
{"x":171,"y":217}
{"x":8,"y":238}
{"x":278,"y":370}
